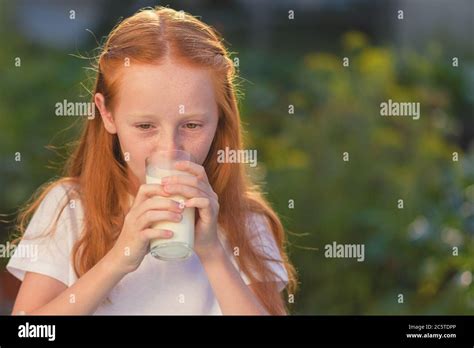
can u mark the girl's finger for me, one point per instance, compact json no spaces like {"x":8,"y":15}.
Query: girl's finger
{"x":146,"y":191}
{"x":184,"y":190}
{"x":192,"y":168}
{"x":199,"y":202}
{"x":152,"y":216}
{"x":157,"y":203}
{"x":151,"y":233}
{"x":205,"y":205}
{"x":189,"y":180}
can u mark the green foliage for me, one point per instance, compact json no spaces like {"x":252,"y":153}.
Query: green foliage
{"x":409,"y":251}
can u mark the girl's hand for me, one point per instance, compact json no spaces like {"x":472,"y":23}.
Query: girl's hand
{"x":134,"y":241}
{"x":196,"y":187}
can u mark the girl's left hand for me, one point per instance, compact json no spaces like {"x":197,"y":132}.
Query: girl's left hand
{"x":200,"y":195}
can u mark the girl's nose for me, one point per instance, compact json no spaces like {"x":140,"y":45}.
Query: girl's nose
{"x":167,"y":141}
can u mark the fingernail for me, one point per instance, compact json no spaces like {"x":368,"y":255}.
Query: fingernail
{"x":168,"y":233}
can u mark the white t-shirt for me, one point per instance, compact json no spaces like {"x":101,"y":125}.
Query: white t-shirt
{"x":156,"y":287}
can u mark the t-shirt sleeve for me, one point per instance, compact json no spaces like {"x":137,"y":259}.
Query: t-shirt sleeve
{"x":262,"y":238}
{"x":46,"y":245}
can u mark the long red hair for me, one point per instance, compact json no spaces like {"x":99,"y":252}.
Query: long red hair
{"x":98,"y":167}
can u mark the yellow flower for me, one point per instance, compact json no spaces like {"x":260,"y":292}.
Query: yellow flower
{"x":353,"y":40}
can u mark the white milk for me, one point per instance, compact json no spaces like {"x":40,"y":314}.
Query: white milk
{"x":180,"y":245}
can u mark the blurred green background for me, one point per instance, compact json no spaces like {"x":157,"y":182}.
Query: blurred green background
{"x":297,"y":62}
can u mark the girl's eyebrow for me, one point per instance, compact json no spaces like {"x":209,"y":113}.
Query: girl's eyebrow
{"x":184,"y":116}
{"x":142,"y":116}
{"x":187,"y":116}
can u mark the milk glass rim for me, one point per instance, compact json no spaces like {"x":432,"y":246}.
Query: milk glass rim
{"x":189,"y":156}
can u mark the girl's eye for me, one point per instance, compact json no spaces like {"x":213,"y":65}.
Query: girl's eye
{"x":192,"y":125}
{"x":144,"y":126}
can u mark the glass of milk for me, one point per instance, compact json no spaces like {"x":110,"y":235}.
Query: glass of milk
{"x":179,"y":247}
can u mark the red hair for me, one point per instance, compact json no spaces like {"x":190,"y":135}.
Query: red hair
{"x":98,"y":167}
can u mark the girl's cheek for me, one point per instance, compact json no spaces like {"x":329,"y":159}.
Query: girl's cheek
{"x":200,"y":147}
{"x":138,"y":170}
{"x":135,"y":158}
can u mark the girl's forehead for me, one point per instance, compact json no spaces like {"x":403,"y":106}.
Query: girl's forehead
{"x":167,"y":76}
{"x":168,"y":86}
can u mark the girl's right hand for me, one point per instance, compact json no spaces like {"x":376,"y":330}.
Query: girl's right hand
{"x":150,"y":206}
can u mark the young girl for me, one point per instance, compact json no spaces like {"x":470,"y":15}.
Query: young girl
{"x":164,"y":81}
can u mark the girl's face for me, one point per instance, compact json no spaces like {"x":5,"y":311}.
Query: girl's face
{"x":166,"y":107}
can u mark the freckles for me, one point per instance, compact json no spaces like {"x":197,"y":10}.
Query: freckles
{"x":199,"y":147}
{"x":137,"y":166}
{"x":134,"y":152}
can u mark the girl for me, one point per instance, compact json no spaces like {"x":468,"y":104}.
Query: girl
{"x":164,"y":80}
